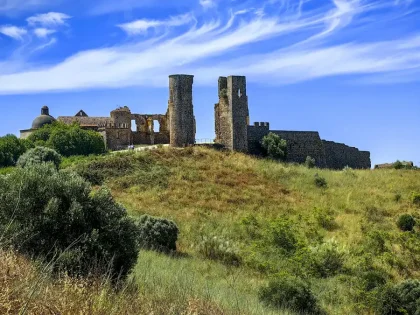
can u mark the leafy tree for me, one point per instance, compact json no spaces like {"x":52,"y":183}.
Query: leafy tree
{"x":11,"y":148}
{"x":51,"y":214}
{"x":68,"y":140}
{"x":274,"y":146}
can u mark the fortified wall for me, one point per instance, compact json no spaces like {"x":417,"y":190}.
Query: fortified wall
{"x":232,"y":115}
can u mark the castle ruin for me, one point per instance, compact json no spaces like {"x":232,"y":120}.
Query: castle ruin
{"x":177,"y":127}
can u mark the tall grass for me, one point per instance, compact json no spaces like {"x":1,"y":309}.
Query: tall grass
{"x":243,"y":200}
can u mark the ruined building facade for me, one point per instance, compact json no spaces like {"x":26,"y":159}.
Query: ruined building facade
{"x":123,"y":128}
{"x":234,"y":132}
{"x":177,"y":126}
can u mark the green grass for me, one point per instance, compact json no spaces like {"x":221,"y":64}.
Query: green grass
{"x":273,"y":217}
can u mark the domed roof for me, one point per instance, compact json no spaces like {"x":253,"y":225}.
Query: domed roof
{"x":43,"y":119}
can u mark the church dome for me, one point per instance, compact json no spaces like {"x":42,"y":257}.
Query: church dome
{"x":43,"y":119}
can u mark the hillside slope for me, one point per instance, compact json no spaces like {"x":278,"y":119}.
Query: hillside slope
{"x":257,"y":218}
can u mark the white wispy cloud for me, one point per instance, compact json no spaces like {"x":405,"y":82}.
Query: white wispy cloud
{"x":42,"y":32}
{"x":48,"y":19}
{"x":207,"y":3}
{"x":304,"y":44}
{"x":13,"y":31}
{"x":141,"y":26}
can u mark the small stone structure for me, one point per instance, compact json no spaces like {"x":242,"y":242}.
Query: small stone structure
{"x":177,"y":126}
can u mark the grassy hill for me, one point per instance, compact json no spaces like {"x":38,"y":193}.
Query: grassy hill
{"x":243,"y":222}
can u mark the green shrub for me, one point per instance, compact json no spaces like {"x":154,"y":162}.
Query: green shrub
{"x":52,"y":214}
{"x":310,"y":162}
{"x":406,"y":222}
{"x":327,"y":259}
{"x":398,"y":165}
{"x":373,"y":279}
{"x":325,"y":219}
{"x":415,"y":198}
{"x":397,"y":197}
{"x":320,"y":181}
{"x":157,"y":234}
{"x":220,"y":249}
{"x":76,"y":141}
{"x":285,"y":236}
{"x":11,"y":148}
{"x":39,"y":155}
{"x":290,"y":293}
{"x":274,"y":147}
{"x":400,"y":299}
{"x":68,"y":140}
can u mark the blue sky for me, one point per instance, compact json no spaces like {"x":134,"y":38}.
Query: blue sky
{"x":349,"y":69}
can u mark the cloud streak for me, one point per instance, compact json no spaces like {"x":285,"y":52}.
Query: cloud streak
{"x":293,"y":45}
{"x":13,"y":31}
{"x":48,"y":19}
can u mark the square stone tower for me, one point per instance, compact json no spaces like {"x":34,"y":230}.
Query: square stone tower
{"x":232,"y":114}
{"x":181,"y":113}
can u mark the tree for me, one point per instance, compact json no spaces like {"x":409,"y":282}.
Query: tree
{"x":274,"y":146}
{"x":11,"y":148}
{"x":69,"y":140}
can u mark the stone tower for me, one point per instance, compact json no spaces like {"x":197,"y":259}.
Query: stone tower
{"x":232,"y":113}
{"x":181,"y":114}
{"x":121,"y":117}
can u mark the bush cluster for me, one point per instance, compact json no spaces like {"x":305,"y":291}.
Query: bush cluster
{"x":157,"y":233}
{"x":68,"y":140}
{"x":406,"y":222}
{"x":274,"y":147}
{"x":415,"y":198}
{"x":290,"y":293}
{"x":310,"y":162}
{"x":400,"y":299}
{"x":53,"y":215}
{"x":327,"y":259}
{"x":285,"y":236}
{"x":320,"y":181}
{"x":219,"y":248}
{"x":39,"y":155}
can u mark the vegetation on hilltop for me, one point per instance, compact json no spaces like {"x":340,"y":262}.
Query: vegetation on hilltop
{"x":253,"y":229}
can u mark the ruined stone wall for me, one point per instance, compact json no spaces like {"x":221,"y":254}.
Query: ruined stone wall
{"x":300,"y":144}
{"x":223,"y":116}
{"x":121,"y":117}
{"x":232,"y":114}
{"x":181,"y":114}
{"x":339,"y":155}
{"x":116,"y":138}
{"x":255,"y":134}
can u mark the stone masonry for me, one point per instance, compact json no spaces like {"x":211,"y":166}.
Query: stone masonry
{"x":181,"y":113}
{"x":232,"y":114}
